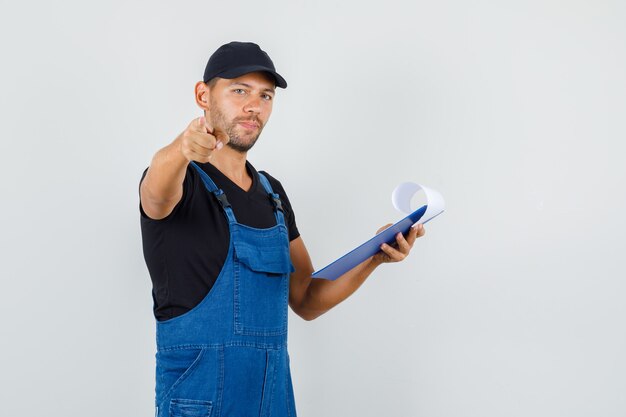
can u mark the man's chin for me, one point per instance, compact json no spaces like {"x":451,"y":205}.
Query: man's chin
{"x":243,"y":142}
{"x":240,"y":147}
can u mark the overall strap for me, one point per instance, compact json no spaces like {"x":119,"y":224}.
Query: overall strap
{"x":278,"y":206}
{"x":217,"y":192}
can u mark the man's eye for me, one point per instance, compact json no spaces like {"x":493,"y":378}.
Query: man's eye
{"x":238,"y":91}
{"x":266,"y":97}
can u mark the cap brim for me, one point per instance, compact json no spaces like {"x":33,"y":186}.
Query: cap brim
{"x":239,"y":71}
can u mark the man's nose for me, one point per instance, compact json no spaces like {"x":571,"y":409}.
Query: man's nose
{"x":253,"y":105}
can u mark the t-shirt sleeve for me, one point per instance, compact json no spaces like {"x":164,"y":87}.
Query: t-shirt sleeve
{"x":290,"y":217}
{"x":187,"y":190}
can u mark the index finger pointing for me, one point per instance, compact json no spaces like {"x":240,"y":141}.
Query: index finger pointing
{"x":222,"y":138}
{"x":199,"y":125}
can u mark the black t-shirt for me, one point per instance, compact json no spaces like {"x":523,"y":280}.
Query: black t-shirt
{"x":186,"y":250}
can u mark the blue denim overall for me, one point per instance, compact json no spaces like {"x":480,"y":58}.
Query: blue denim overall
{"x":228,"y":355}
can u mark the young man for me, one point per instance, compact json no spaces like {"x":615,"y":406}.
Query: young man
{"x":225,"y":256}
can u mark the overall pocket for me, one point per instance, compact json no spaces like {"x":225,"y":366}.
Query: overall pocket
{"x":261,"y":283}
{"x":172,"y":368}
{"x":181,"y":407}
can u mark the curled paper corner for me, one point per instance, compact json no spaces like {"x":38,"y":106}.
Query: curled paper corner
{"x":404,"y":192}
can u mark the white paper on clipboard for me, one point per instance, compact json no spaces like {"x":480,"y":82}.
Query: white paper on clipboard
{"x":401,"y":200}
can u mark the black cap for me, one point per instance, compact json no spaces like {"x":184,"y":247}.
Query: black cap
{"x":238,"y":58}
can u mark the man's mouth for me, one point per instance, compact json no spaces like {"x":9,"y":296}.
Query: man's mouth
{"x":249,"y":124}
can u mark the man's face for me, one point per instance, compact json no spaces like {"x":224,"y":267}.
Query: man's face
{"x":240,"y":107}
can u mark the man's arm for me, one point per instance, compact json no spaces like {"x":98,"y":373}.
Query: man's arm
{"x":310,"y":298}
{"x":162,"y":187}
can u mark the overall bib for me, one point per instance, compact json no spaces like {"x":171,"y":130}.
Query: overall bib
{"x":228,"y":355}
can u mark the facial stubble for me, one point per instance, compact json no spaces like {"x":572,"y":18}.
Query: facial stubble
{"x":219,"y":121}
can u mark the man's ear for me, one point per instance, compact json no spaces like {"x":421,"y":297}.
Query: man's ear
{"x":202,"y":92}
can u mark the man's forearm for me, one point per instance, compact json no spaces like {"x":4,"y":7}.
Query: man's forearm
{"x":322,"y":295}
{"x":161,"y":188}
{"x":310,"y":298}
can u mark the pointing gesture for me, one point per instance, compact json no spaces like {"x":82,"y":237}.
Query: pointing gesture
{"x":162,"y":186}
{"x":199,"y":140}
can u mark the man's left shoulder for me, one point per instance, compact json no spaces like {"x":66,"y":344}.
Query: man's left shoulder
{"x":276,"y":184}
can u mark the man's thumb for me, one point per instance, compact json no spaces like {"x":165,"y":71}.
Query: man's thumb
{"x":209,"y":127}
{"x":199,"y":125}
{"x":221,"y":136}
{"x":204,"y":125}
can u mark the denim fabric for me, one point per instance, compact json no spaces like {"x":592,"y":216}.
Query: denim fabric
{"x":228,"y":355}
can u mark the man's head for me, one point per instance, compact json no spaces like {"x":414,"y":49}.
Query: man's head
{"x":237,"y":92}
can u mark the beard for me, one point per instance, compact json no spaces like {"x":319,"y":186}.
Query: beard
{"x":238,"y":142}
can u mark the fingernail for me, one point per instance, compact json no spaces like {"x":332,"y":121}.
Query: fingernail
{"x":219,"y":145}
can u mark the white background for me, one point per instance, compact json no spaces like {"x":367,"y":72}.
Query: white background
{"x":513,"y":303}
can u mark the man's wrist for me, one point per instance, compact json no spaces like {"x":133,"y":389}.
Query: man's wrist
{"x":375,"y":261}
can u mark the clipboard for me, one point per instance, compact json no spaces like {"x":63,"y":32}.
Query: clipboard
{"x":401,"y":200}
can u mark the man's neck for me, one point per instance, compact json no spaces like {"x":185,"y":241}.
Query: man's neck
{"x":232,"y":164}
